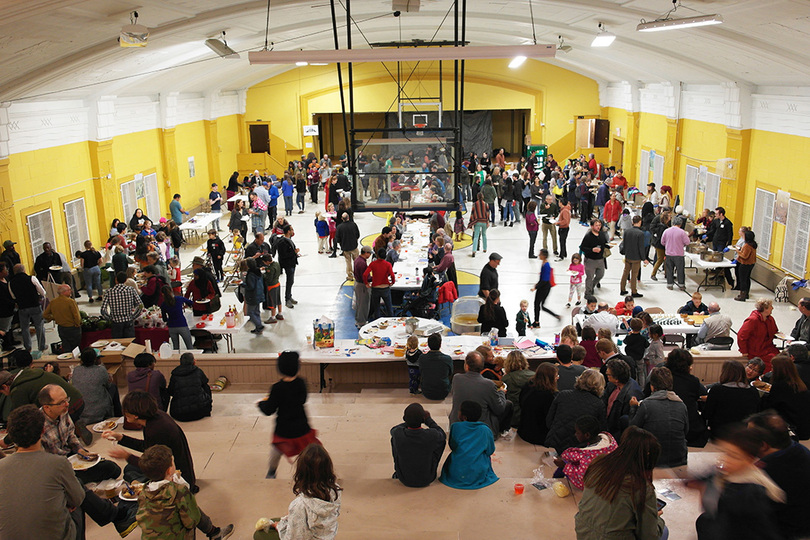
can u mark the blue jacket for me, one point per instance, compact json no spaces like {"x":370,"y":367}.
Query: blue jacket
{"x":287,"y":188}
{"x":602,"y":195}
{"x":273,"y":191}
{"x":321,"y":227}
{"x":469,"y":466}
{"x":254,"y":288}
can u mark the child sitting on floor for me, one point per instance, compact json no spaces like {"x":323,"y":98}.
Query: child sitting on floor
{"x":574,"y":462}
{"x":471,"y":444}
{"x":412,"y":354}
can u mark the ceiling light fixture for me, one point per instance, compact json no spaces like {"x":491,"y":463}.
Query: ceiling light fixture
{"x":561,"y":46}
{"x":603,"y":38}
{"x":517,"y":62}
{"x":678,"y":24}
{"x":666,"y":22}
{"x":301,"y":64}
{"x":220,"y":46}
{"x":402,"y":55}
{"x":133,"y":34}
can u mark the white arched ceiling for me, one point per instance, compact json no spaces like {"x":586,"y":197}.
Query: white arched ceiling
{"x":58,"y":49}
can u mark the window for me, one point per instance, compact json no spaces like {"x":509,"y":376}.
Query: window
{"x":711,"y":199}
{"x":690,"y":194}
{"x":658,"y":171}
{"x":152,"y":196}
{"x":40,"y":230}
{"x":797,"y":237}
{"x":763,"y":222}
{"x":129,"y":200}
{"x":76,"y":221}
{"x":644,"y":169}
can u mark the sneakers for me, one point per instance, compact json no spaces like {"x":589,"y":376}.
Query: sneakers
{"x":653,"y":277}
{"x":91,"y":300}
{"x":221,"y":533}
{"x":568,"y":304}
{"x":279,"y":317}
{"x":293,"y":300}
{"x":271,"y":320}
{"x":637,"y":295}
{"x":623,"y":293}
{"x":258,"y":330}
{"x":473,"y":254}
{"x":670,"y":287}
{"x":289,"y":304}
{"x":271,"y":475}
{"x":507,"y":435}
{"x":578,"y":302}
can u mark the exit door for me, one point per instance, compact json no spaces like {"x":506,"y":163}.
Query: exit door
{"x":259,"y":138}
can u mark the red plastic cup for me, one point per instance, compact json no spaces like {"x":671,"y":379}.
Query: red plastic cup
{"x":518,"y":489}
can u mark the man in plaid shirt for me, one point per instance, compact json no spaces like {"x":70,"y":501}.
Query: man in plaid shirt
{"x":121,"y":306}
{"x":59,"y":436}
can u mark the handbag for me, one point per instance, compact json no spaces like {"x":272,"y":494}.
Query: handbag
{"x":606,"y":253}
{"x":216,"y":304}
{"x":551,"y":278}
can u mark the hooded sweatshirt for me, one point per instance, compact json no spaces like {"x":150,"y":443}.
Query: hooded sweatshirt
{"x":167,"y":510}
{"x":149,"y":380}
{"x":310,"y":518}
{"x":578,"y":459}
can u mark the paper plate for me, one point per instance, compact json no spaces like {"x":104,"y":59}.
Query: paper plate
{"x":80,"y":464}
{"x":203,"y":301}
{"x":105,"y":425}
{"x":55,"y":268}
{"x":65,"y":356}
{"x":100,"y":343}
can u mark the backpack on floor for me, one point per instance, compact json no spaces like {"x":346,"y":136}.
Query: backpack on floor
{"x":781,"y":290}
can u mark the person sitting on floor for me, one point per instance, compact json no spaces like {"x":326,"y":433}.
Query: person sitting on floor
{"x":417,"y":451}
{"x":471,"y":444}
{"x":496,"y":411}
{"x":575,"y":460}
{"x":189,"y":391}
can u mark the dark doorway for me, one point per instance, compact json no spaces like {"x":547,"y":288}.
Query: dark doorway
{"x":259,"y":138}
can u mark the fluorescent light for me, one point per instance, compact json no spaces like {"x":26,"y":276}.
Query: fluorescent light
{"x":677,"y":24}
{"x":402,"y":55}
{"x":603,"y":39}
{"x":302,"y":63}
{"x":517,"y":62}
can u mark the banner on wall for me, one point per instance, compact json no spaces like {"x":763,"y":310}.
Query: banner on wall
{"x":780,"y":208}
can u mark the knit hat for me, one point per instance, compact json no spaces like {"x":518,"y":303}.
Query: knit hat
{"x":414,"y":415}
{"x":288,"y":363}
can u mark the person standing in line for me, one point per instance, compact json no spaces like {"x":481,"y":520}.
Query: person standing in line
{"x":287,"y":189}
{"x":746,"y":258}
{"x":675,"y":241}
{"x":27,"y":291}
{"x":91,"y":270}
{"x":479,"y":223}
{"x":381,"y":275}
{"x":548,"y":212}
{"x":633,"y":248}
{"x":532,"y":226}
{"x":300,"y":192}
{"x":592,"y":247}
{"x":288,"y":256}
{"x":362,"y":294}
{"x":64,"y":311}
{"x":215,"y":199}
{"x":563,"y":226}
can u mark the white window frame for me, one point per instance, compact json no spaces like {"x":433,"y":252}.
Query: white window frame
{"x":711,"y":198}
{"x":152,"y":195}
{"x":76,"y":225}
{"x":762,"y":224}
{"x":43,"y":234}
{"x":797,"y":238}
{"x":690,"y":190}
{"x":129,"y":207}
{"x":658,"y":171}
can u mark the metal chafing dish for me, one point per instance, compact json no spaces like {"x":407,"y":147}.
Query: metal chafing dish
{"x":696,"y":247}
{"x":712,"y":256}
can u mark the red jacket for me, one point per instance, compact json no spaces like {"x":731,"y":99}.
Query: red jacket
{"x":382,"y":273}
{"x":613,"y":209}
{"x":755,"y":338}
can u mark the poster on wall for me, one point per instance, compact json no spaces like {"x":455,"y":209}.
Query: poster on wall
{"x":780,"y":209}
{"x":191,"y":170}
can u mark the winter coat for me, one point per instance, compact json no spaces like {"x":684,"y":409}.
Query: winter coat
{"x":599,"y":519}
{"x":254,"y":287}
{"x":92,"y":382}
{"x":190,"y":394}
{"x":310,"y":519}
{"x":167,"y":511}
{"x":617,"y":419}
{"x":755,"y":338}
{"x":149,"y":380}
{"x":664,"y":415}
{"x":565,"y":409}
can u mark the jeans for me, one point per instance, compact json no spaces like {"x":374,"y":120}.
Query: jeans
{"x":362,"y":301}
{"x":255,"y":315}
{"x":594,"y":270}
{"x":215,"y":223}
{"x":71,"y":337}
{"x":675,"y":263}
{"x":299,"y":199}
{"x":290,"y":272}
{"x":479,"y":232}
{"x":29,"y":316}
{"x":491,"y":207}
{"x":122,"y":329}
{"x":563,"y":232}
{"x":288,"y":205}
{"x":257,"y":221}
{"x":92,"y":280}
{"x":532,"y":240}
{"x":176,"y":332}
{"x":384,"y":294}
{"x":508,"y":212}
{"x":8,"y":339}
{"x":272,"y":213}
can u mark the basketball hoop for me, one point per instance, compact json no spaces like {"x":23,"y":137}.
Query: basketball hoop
{"x":420,"y":126}
{"x":420,"y":121}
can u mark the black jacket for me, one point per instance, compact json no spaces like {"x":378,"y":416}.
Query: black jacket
{"x":417,"y":453}
{"x":790,"y":469}
{"x":287,"y":257}
{"x":794,"y":407}
{"x":24,"y":291}
{"x":190,"y":394}
{"x":633,"y":243}
{"x":726,"y":405}
{"x":720,"y":234}
{"x":567,"y":406}
{"x":534,"y":407}
{"x":347,"y":235}
{"x":498,"y":320}
{"x":619,"y":416}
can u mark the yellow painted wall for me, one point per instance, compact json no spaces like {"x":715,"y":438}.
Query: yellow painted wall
{"x":228,"y":146}
{"x":554,"y":96}
{"x":190,"y":141}
{"x":701,"y":143}
{"x":769,"y":149}
{"x":46,"y":179}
